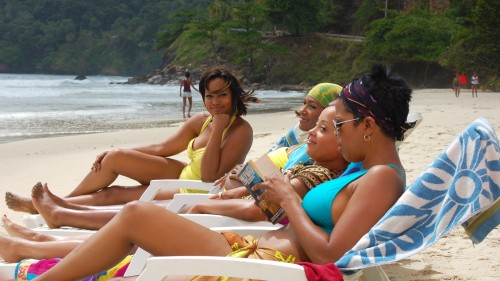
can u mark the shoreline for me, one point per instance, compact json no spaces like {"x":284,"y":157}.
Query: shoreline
{"x":139,"y":125}
{"x":63,"y":161}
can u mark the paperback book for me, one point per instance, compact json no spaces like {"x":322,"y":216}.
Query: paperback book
{"x":254,"y":172}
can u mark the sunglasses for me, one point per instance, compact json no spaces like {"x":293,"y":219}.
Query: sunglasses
{"x":337,"y":125}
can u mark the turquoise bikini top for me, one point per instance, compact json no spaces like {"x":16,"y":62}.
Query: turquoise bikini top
{"x":320,"y":198}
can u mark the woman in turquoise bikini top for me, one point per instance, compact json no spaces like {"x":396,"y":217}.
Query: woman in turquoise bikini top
{"x":370,"y":117}
{"x":321,"y":198}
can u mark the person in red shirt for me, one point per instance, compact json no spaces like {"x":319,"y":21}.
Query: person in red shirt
{"x":185,"y":92}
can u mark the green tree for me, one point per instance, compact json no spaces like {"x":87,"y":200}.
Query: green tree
{"x":220,"y":10}
{"x":243,"y":32}
{"x":206,"y":30}
{"x":485,"y":41}
{"x":296,"y":16}
{"x":420,"y":36}
{"x":370,"y":10}
{"x":335,"y":16}
{"x":475,"y":44}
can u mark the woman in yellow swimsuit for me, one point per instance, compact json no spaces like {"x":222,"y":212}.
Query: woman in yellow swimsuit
{"x":216,"y":141}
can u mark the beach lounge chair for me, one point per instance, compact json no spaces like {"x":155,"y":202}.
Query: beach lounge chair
{"x":461,"y":187}
{"x":36,"y":222}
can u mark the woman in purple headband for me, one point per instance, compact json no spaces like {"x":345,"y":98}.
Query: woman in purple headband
{"x":383,"y":97}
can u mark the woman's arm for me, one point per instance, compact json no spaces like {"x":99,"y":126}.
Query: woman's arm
{"x":235,"y":193}
{"x":354,"y":212}
{"x":192,"y":85}
{"x":221,"y":156}
{"x":177,"y":142}
{"x":243,"y":209}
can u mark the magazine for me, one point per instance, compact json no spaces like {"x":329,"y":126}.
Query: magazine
{"x":254,"y":172}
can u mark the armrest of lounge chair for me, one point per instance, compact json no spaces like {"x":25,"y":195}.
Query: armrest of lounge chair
{"x":156,"y":185}
{"x":141,"y":256}
{"x":211,"y":221}
{"x":7,"y":270}
{"x":222,"y":266}
{"x":34,"y":221}
{"x":181,"y":200}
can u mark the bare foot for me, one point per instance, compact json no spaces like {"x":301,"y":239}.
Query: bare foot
{"x":16,"y":230}
{"x":47,"y":208}
{"x":20,"y":204}
{"x":8,"y":248}
{"x":61,"y":202}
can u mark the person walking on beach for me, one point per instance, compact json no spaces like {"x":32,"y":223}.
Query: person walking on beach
{"x":456,"y":85}
{"x":474,"y":83}
{"x":185,"y":92}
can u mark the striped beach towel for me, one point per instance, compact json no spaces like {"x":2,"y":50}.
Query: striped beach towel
{"x":463,"y":181}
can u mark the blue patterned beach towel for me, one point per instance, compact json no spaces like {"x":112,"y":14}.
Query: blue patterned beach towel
{"x":463,"y":181}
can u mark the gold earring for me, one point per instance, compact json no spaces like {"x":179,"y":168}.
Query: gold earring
{"x":366,"y":138}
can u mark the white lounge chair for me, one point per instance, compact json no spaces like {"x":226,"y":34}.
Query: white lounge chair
{"x":180,"y":200}
{"x":461,"y":187}
{"x":37,"y":223}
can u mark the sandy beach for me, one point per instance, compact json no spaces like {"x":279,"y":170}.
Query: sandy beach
{"x":63,"y":161}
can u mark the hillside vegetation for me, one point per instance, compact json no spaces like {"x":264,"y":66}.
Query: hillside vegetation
{"x":270,"y":42}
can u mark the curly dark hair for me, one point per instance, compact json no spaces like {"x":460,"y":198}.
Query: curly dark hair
{"x":393,"y":96}
{"x":240,"y":98}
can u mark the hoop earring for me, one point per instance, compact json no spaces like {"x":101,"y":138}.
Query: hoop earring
{"x":366,"y":138}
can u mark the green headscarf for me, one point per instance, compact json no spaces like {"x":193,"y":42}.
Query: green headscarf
{"x":325,"y":93}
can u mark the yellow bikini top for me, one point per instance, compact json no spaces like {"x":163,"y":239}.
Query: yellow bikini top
{"x":209,"y":119}
{"x":193,"y":169}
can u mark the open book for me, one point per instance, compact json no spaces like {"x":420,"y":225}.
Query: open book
{"x":254,"y":172}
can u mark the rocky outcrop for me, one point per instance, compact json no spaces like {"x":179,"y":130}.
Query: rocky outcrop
{"x":172,"y":75}
{"x":81,"y":77}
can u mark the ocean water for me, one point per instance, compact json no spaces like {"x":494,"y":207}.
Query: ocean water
{"x":35,"y":106}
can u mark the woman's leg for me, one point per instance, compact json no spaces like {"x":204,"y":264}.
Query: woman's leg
{"x":190,"y":99}
{"x":16,"y":230}
{"x":56,"y":216}
{"x":151,"y":227}
{"x":13,"y":249}
{"x":242,"y":209}
{"x":113,"y":195}
{"x":129,"y":163}
{"x":136,"y":165}
{"x":109,"y":197}
{"x":183,"y":106}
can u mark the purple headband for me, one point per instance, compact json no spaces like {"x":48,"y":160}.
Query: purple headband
{"x":355,"y":95}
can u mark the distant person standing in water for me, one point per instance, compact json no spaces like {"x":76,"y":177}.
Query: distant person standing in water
{"x":474,"y":84}
{"x":456,"y":85}
{"x":185,"y":92}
